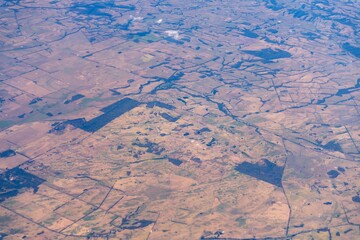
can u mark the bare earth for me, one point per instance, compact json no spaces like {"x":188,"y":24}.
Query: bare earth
{"x":160,"y":120}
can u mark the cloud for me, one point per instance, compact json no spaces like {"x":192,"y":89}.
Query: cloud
{"x":136,"y":18}
{"x":173,"y":34}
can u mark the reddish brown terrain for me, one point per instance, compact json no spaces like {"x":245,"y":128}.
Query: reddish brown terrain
{"x":160,"y":120}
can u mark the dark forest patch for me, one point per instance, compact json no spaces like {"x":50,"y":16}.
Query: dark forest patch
{"x":176,"y":162}
{"x":110,"y":113}
{"x":74,"y":98}
{"x":269,"y":54}
{"x":266,"y":171}
{"x":14,"y":180}
{"x":7,"y":153}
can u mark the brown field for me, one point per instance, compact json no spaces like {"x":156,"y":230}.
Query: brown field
{"x":244,"y":126}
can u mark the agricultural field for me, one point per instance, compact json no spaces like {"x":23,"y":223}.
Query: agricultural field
{"x":158,"y":120}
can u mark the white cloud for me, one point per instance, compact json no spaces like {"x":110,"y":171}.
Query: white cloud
{"x":136,"y":18}
{"x":173,"y":34}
